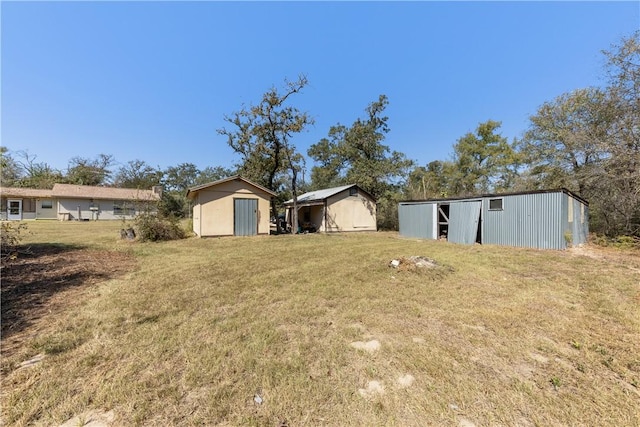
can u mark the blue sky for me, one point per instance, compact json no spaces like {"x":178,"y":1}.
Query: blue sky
{"x":153,"y":80}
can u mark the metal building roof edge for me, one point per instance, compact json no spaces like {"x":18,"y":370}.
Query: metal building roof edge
{"x":517,"y":193}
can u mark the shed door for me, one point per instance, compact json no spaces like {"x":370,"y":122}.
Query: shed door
{"x":464,"y":218}
{"x":245,"y":217}
{"x":14,"y":210}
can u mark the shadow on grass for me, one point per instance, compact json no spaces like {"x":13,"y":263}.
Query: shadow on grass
{"x":41,"y":271}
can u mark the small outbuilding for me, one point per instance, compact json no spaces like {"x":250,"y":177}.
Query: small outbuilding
{"x":547,"y":219}
{"x":232,"y":206}
{"x":346,"y":208}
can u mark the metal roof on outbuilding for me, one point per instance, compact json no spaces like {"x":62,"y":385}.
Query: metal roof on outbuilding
{"x":320,"y":195}
{"x":493,"y":195}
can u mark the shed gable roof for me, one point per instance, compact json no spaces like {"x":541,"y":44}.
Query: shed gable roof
{"x":197,"y":188}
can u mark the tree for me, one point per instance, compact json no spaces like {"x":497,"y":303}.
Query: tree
{"x":622,"y":166}
{"x":137,"y":174}
{"x":262,"y":134}
{"x":213,"y":173}
{"x":483,"y":162}
{"x":10,"y":170}
{"x":36,"y":174}
{"x":180,"y":178}
{"x":429,"y":182}
{"x":357,"y":155}
{"x":83,"y":171}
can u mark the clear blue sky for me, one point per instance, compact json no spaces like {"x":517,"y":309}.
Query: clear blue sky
{"x":153,"y":80}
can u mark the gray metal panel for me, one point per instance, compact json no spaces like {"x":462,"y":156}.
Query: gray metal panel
{"x":580,"y":229}
{"x":416,"y":220}
{"x":463,"y":221}
{"x":245,"y":217}
{"x":526,"y":220}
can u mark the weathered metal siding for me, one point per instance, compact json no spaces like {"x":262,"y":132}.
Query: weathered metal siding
{"x":416,"y":220}
{"x":463,"y":221}
{"x":577,"y":221}
{"x":526,"y":220}
{"x":245,"y":217}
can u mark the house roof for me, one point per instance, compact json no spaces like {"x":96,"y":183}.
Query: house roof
{"x":110,"y":193}
{"x":31,"y":193}
{"x":81,"y":192}
{"x":197,"y":188}
{"x":563,"y":190}
{"x":321,"y":195}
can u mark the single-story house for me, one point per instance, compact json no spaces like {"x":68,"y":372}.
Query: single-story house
{"x":546,"y":219}
{"x":76,"y":202}
{"x":346,"y":208}
{"x":231,"y":206}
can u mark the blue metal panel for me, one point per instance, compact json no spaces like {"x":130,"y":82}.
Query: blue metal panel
{"x":526,"y":220}
{"x":463,"y":221}
{"x":580,"y":228}
{"x":245,"y":217}
{"x":416,"y":220}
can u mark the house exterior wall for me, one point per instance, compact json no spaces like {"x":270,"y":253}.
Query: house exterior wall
{"x":418,"y":220}
{"x":350,"y":213}
{"x":79,"y":209}
{"x":31,"y":208}
{"x":46,"y":212}
{"x":213,"y":211}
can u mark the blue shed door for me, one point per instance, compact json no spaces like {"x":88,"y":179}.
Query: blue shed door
{"x":463,"y":222}
{"x":245,"y":217}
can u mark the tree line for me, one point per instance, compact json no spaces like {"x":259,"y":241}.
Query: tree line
{"x":587,"y":141}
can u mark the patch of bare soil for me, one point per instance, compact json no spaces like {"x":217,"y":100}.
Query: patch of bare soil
{"x":627,"y":258}
{"x":46,"y":278}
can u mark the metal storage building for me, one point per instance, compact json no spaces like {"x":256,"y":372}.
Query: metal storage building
{"x":546,"y":219}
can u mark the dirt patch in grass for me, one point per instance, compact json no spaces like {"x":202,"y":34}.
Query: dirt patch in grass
{"x":47,"y":277}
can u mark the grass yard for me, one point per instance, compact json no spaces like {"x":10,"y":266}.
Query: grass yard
{"x":316,"y":329}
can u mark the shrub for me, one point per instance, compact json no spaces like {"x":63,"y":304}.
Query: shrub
{"x":153,"y":228}
{"x":10,"y":240}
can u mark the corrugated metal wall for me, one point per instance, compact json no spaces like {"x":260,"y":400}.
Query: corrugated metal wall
{"x":416,"y":220}
{"x":526,"y":220}
{"x":463,"y":221}
{"x":245,"y":213}
{"x":578,"y":223}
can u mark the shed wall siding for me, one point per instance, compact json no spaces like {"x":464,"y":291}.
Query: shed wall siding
{"x":526,"y":220}
{"x":215,"y":208}
{"x":350,"y":213}
{"x":417,"y":220}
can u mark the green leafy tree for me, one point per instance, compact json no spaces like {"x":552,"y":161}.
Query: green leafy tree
{"x":213,"y":173}
{"x":83,"y":171}
{"x":137,"y":174}
{"x":262,"y":135}
{"x":429,"y":182}
{"x":622,"y":166}
{"x":483,"y":162}
{"x":10,"y":170}
{"x":36,"y":174}
{"x":357,"y":155}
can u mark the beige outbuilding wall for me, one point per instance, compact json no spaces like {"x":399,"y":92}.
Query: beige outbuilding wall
{"x":213,"y":210}
{"x":347,"y":212}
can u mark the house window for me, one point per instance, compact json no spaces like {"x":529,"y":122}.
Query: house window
{"x":123,"y":208}
{"x":46,"y":204}
{"x":353,"y":191}
{"x":495,"y":204}
{"x":28,"y":205}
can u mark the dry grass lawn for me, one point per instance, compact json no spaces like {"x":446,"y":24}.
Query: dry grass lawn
{"x":317,"y":330}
